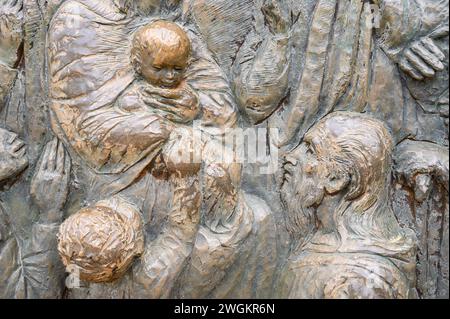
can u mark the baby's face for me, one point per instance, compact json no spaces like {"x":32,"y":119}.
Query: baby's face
{"x":163,"y":68}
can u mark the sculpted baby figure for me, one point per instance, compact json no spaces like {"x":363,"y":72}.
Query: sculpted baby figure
{"x":160,"y":55}
{"x":101,"y":243}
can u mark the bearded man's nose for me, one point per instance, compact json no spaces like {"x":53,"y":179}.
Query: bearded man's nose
{"x":309,"y":168}
{"x":291,"y":159}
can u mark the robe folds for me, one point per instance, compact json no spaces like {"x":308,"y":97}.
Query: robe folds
{"x":349,"y":64}
{"x":113,"y":151}
{"x":89,"y":65}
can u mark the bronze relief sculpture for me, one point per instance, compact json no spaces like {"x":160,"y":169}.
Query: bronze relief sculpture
{"x":134,"y":134}
{"x":352,"y":245}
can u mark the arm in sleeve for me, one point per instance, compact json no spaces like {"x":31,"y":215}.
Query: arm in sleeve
{"x":261,"y":74}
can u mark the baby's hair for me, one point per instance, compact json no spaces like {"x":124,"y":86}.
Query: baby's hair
{"x":102,"y":241}
{"x":157,"y":36}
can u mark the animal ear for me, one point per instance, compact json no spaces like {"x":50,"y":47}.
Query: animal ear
{"x":336,"y":182}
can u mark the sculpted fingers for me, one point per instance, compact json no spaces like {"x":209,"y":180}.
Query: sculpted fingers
{"x":12,"y":137}
{"x":49,"y":186}
{"x":16,"y":145}
{"x":419,"y":64}
{"x":60,"y":160}
{"x":44,"y":158}
{"x":428,"y":56}
{"x":63,"y":189}
{"x":67,"y":166}
{"x":423,"y":58}
{"x":409,"y":69}
{"x":169,"y":108}
{"x":52,"y":155}
{"x":66,"y":172}
{"x":440,"y":32}
{"x":63,"y":168}
{"x":17,"y":148}
{"x":166,"y":93}
{"x":21,"y":152}
{"x":152,"y":90}
{"x":433,"y":48}
{"x":168,"y":102}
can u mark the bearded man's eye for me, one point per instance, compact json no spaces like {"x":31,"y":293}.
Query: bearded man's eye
{"x":310,"y":150}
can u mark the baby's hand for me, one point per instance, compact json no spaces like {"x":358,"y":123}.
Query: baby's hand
{"x":181,"y":104}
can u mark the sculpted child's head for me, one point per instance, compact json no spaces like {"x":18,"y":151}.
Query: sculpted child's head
{"x":101,"y":242}
{"x":160,"y":53}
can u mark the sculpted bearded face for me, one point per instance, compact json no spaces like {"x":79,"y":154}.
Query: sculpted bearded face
{"x":346,"y":156}
{"x":302,"y":189}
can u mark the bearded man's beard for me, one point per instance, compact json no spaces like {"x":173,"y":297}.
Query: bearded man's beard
{"x":300,"y":198}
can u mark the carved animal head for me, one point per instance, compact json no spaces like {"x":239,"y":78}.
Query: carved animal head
{"x":161,"y":52}
{"x":102,"y":241}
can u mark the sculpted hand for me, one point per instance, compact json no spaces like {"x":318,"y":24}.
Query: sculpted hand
{"x":50,"y":183}
{"x":181,"y":154}
{"x":274,"y":17}
{"x":418,"y":164}
{"x":13,"y":156}
{"x":423,"y":58}
{"x":220,"y":200}
{"x":181,"y":104}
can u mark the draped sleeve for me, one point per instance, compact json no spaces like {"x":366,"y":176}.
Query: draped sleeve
{"x":219,"y":111}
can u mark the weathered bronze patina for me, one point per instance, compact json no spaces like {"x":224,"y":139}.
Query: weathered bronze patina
{"x":224,"y":149}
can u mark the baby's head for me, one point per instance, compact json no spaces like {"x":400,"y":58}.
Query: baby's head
{"x":160,"y":53}
{"x":102,"y":241}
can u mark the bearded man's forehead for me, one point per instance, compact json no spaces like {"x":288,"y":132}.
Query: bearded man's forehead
{"x":317,"y":135}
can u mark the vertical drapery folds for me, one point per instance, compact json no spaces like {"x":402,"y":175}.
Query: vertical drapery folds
{"x":337,"y":64}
